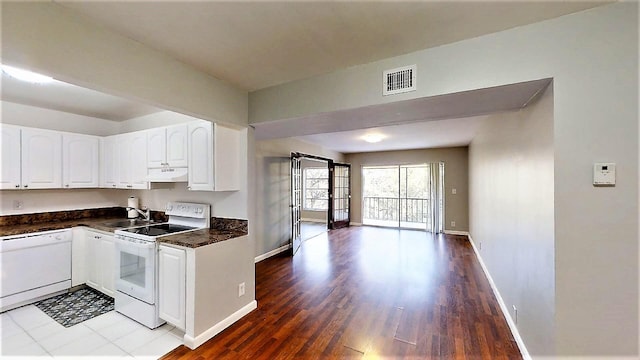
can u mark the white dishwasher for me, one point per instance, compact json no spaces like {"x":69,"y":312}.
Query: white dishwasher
{"x":34,"y":266}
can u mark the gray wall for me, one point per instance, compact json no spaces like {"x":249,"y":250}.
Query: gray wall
{"x":272,"y":225}
{"x":456,"y":176}
{"x":511,"y":211}
{"x":592,"y":57}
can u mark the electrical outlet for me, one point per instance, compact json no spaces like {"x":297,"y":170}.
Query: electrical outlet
{"x":515,"y":314}
{"x":454,"y":191}
{"x":453,"y":224}
{"x":18,"y":204}
{"x":240,"y":289}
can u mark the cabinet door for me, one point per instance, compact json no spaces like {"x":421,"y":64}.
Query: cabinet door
{"x":124,"y":150}
{"x":138,"y":162}
{"x":92,"y":264}
{"x":41,"y":159}
{"x":107,"y":265}
{"x":109,"y":162}
{"x":10,"y":157}
{"x":200,"y":156}
{"x":156,"y":147}
{"x":172,"y":286}
{"x":80,"y":161}
{"x":177,"y":146}
{"x":78,"y":256}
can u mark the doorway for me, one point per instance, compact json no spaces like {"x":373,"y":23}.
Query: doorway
{"x":403,"y":196}
{"x":320,"y":196}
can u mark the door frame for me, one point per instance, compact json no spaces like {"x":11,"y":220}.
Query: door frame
{"x":330,"y":164}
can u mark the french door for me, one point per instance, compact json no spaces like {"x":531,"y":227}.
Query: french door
{"x":339,"y":203}
{"x":340,"y":195}
{"x":296,"y":202}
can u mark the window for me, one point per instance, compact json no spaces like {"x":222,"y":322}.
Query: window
{"x":316,"y":189}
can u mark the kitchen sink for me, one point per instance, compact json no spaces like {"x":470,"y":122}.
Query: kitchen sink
{"x":129,"y":223}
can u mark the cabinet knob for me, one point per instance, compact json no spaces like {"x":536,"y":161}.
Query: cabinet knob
{"x":114,"y":185}
{"x":26,"y":186}
{"x":17,"y":186}
{"x":67,"y":185}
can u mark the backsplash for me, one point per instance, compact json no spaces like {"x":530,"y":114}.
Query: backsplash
{"x":230,"y":224}
{"x":52,"y":216}
{"x":44,"y":217}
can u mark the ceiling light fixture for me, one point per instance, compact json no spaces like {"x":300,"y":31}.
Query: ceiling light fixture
{"x":26,"y":75}
{"x":373,"y":137}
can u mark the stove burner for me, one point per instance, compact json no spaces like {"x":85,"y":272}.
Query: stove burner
{"x":158,"y":230}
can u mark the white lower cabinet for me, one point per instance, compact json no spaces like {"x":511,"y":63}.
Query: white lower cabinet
{"x":78,"y":256}
{"x":172,"y":285}
{"x":100,"y":261}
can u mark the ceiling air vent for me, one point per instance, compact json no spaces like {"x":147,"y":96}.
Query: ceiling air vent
{"x":400,"y":80}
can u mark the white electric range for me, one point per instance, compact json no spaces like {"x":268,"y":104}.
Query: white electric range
{"x":136,"y":293}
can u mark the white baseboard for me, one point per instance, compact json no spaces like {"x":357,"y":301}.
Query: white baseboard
{"x":355,"y":224}
{"x":456,"y":232}
{"x":272,"y":253}
{"x":503,"y":306}
{"x":322,"y":221}
{"x":193,"y":343}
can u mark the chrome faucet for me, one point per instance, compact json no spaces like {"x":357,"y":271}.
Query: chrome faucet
{"x":145,"y":215}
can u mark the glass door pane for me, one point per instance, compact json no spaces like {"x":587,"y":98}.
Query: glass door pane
{"x":414,"y":196}
{"x":380,"y":195}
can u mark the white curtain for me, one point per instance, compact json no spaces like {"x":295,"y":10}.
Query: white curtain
{"x":435,"y":188}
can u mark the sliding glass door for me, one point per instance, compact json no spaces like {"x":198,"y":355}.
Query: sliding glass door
{"x":405,"y":196}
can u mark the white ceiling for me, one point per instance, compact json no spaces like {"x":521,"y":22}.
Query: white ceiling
{"x":73,"y":99}
{"x":257,"y":44}
{"x":425,"y":134}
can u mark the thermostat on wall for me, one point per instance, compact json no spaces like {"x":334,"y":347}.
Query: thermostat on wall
{"x":604,"y":174}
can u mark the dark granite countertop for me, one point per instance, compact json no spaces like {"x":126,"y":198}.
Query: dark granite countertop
{"x":197,"y":238}
{"x":105,"y":220}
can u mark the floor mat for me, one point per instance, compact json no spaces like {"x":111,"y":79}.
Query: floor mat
{"x":73,"y":308}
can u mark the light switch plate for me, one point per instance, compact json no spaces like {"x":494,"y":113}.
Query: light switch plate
{"x":604,"y":174}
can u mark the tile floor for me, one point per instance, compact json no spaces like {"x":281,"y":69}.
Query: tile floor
{"x":27,"y":331}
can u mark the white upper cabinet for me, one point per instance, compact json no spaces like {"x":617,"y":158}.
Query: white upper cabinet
{"x":80,"y":160}
{"x":201,"y":156}
{"x":10,"y":157}
{"x":156,"y":147}
{"x":167,"y":146}
{"x":123,"y":148}
{"x":139,"y":160}
{"x":177,"y":146}
{"x":109,"y":163}
{"x":41,"y":159}
{"x":214,"y":157}
{"x":132,"y":160}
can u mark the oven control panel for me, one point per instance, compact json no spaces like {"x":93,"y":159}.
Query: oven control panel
{"x":188,"y":210}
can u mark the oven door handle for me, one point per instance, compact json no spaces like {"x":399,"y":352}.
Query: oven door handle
{"x":124,"y":243}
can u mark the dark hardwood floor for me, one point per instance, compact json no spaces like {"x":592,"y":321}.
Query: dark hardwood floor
{"x":365,"y":292}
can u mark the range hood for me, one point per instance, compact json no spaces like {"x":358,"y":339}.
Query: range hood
{"x":168,"y":175}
